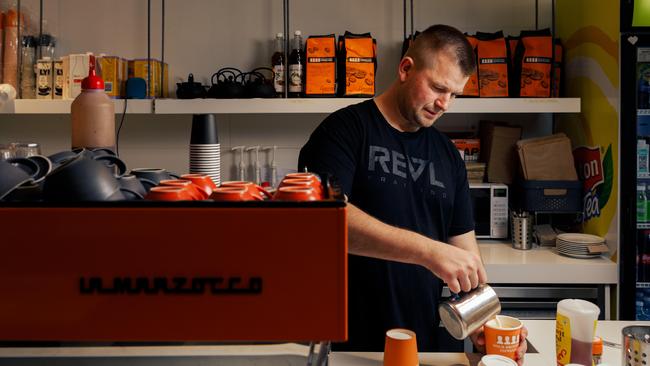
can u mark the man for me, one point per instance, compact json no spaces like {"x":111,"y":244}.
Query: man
{"x":410,"y":220}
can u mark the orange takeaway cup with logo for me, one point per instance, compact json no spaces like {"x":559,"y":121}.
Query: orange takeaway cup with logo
{"x":502,"y":336}
{"x":401,"y":348}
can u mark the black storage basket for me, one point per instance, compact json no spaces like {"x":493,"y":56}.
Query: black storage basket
{"x":551,"y":195}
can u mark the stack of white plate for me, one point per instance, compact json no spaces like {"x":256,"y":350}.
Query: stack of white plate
{"x":577,"y":245}
{"x":206,"y":159}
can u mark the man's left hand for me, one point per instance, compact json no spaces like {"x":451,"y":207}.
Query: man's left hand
{"x":478,"y":338}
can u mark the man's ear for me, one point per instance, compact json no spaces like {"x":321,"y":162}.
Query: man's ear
{"x":406,"y":66}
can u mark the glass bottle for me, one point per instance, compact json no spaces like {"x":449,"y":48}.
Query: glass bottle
{"x":28,"y":69}
{"x":641,"y":204}
{"x":296,"y":65}
{"x":277,"y":63}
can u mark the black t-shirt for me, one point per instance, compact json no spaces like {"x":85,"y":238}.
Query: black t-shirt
{"x":412,"y":180}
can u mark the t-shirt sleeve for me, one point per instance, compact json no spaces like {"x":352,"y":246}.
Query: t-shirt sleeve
{"x":334,"y":147}
{"x":462,"y":220}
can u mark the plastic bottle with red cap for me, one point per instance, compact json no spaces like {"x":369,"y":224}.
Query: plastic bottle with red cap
{"x":93,"y":114}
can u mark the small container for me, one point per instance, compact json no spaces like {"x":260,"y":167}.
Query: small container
{"x":463,"y":315}
{"x":93,"y":115}
{"x":597,"y":350}
{"x":521,"y":225}
{"x":636,"y":345}
{"x":575,"y":325}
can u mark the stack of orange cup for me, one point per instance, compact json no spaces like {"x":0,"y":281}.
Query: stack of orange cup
{"x":194,"y":191}
{"x":203,"y":181}
{"x":168,"y":193}
{"x":300,"y":180}
{"x":233,"y":193}
{"x":296,"y":193}
{"x":250,"y":187}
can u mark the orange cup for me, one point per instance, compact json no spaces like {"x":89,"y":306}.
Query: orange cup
{"x":303,"y":175}
{"x":194,"y":191}
{"x":401,"y":348}
{"x":296,"y":194}
{"x":233,"y":194}
{"x":251,"y":188}
{"x":204,"y":182}
{"x":502,"y":338}
{"x":168,"y":193}
{"x":302,"y":182}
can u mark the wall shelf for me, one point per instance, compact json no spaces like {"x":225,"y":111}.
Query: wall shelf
{"x":288,"y":106}
{"x":329,"y":105}
{"x":59,"y":106}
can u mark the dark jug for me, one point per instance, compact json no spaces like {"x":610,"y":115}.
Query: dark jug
{"x":226,"y":85}
{"x":190,"y":89}
{"x":258,"y":86}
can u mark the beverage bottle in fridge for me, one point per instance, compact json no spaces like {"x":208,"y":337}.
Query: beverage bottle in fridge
{"x":640,"y":314}
{"x":642,"y":257}
{"x":641,"y":204}
{"x":277,"y":63}
{"x":296,"y":66}
{"x":643,"y":91}
{"x":93,"y":114}
{"x":642,"y":153}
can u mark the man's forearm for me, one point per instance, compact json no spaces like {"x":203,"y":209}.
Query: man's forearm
{"x":466,"y":241}
{"x":372,"y":238}
{"x":461,"y":268}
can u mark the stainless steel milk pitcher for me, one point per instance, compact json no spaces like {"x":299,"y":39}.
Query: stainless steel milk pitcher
{"x":464,"y":314}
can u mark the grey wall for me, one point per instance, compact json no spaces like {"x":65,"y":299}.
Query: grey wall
{"x":204,"y":35}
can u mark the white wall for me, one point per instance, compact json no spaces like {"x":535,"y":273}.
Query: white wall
{"x":204,"y":35}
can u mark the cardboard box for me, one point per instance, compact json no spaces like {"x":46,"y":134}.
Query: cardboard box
{"x":159,"y":76}
{"x":58,"y":79}
{"x":77,"y":71}
{"x":112,"y":71}
{"x":499,"y":151}
{"x":547,"y":158}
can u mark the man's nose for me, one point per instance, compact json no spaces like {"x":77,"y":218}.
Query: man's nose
{"x":443,"y":101}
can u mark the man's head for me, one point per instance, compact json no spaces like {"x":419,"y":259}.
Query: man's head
{"x":432,"y":72}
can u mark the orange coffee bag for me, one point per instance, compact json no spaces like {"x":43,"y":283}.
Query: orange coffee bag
{"x":534,"y":61}
{"x":320,"y":77}
{"x":358,"y":60}
{"x":471,"y":88}
{"x":493,"y":58}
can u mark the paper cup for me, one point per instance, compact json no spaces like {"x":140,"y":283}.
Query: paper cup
{"x":502,"y":338}
{"x":496,"y":360}
{"x":401,"y":348}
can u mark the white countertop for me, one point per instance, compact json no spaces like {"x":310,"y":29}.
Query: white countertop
{"x":541,"y":335}
{"x":504,"y":264}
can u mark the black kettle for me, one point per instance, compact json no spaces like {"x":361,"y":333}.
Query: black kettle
{"x":228,"y":84}
{"x":258,"y":86}
{"x":190,"y":89}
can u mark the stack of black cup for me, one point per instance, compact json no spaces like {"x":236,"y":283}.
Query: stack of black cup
{"x":205,"y":151}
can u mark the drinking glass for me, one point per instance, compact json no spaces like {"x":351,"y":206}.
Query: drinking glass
{"x":6,"y":152}
{"x":26,"y":149}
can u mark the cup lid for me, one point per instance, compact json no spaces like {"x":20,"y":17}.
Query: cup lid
{"x":497,"y":360}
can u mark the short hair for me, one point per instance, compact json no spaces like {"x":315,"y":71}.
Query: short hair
{"x":442,"y":37}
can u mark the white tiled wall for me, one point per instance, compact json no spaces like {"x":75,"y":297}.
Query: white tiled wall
{"x":204,"y":35}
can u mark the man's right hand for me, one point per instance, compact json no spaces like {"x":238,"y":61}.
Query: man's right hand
{"x":461,"y":269}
